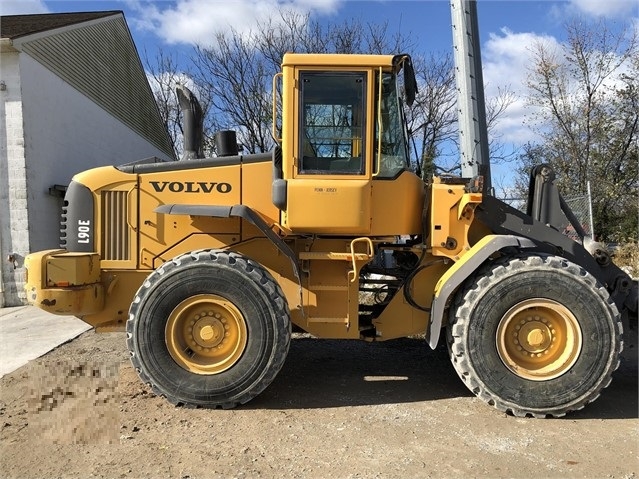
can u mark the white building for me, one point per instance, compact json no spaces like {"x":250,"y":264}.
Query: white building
{"x":73,"y":95}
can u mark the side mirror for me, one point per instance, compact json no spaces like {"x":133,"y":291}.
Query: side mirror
{"x":410,"y":82}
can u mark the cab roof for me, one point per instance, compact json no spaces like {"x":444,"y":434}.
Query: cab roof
{"x":337,"y":60}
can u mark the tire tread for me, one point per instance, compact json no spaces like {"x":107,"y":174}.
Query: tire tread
{"x":250,"y":268}
{"x":492,"y":274}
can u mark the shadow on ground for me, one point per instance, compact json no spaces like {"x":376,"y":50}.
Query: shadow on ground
{"x":321,"y":373}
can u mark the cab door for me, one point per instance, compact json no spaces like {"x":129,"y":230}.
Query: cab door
{"x":330,"y":189}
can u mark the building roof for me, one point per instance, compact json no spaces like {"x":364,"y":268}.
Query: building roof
{"x":14,"y":26}
{"x":95,"y":54}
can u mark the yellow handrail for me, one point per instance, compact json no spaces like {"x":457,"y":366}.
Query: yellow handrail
{"x":370,"y":252}
{"x":379,"y":125}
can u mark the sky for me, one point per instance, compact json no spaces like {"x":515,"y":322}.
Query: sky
{"x":507,"y":29}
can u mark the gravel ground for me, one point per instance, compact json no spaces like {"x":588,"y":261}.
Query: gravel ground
{"x":338,"y":409}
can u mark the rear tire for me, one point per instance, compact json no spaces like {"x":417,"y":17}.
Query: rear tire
{"x":534,"y":335}
{"x":209,"y":329}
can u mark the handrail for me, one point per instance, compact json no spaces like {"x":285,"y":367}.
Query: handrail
{"x":369,"y":253}
{"x":379,"y":126}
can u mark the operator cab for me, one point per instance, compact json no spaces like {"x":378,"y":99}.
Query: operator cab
{"x":345,"y":166}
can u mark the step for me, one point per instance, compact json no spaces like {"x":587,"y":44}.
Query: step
{"x":334,"y":256}
{"x":329,"y":320}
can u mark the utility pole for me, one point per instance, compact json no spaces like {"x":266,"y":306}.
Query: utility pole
{"x":471,"y":106}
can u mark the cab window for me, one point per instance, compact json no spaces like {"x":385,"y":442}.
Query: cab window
{"x":390,"y":141}
{"x":332,"y":123}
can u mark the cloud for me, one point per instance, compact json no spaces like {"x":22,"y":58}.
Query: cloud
{"x":606,"y":8}
{"x":164,"y":83}
{"x":506,"y":58}
{"x":197,"y":21}
{"x":22,"y":7}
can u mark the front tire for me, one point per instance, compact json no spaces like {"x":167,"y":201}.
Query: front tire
{"x":209,"y":329}
{"x":534,"y":335}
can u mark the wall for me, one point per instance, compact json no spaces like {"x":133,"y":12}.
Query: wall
{"x":14,"y":232}
{"x":64,"y":133}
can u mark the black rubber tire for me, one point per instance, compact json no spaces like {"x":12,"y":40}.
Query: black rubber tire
{"x":482,"y":302}
{"x":245,"y":284}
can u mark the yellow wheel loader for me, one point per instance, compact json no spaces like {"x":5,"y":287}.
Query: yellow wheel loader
{"x":208,"y":263}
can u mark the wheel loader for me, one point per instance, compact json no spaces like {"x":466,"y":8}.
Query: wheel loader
{"x":208,"y":263}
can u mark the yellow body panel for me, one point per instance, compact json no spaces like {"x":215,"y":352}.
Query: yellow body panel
{"x":104,"y":178}
{"x":256,"y":190}
{"x":80,"y":293}
{"x":452,"y":212}
{"x":332,"y":206}
{"x":160,"y":233}
{"x":332,"y":62}
{"x":459,"y":264}
{"x":397,"y":205}
{"x":72,"y":269}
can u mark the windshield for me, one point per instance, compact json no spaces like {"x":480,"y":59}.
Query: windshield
{"x":332,"y":119}
{"x":391,"y":150}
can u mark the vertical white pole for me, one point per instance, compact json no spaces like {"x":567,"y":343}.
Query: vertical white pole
{"x":592,"y":225}
{"x":471,"y":108}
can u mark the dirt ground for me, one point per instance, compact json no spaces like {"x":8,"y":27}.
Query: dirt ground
{"x":338,"y":409}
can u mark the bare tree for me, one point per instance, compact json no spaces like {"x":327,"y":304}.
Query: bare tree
{"x":236,"y":73}
{"x":164,"y":75}
{"x":237,"y":69}
{"x":237,"y":77}
{"x":433,"y":121}
{"x":587,"y":95}
{"x":433,"y":118}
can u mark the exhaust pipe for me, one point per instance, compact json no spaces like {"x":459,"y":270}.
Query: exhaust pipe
{"x":192,"y":123}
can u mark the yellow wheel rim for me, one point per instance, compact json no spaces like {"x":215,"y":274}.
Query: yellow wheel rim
{"x":539,"y":339}
{"x":206,"y":334}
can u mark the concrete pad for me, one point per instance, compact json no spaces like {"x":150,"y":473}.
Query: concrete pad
{"x":27,"y":332}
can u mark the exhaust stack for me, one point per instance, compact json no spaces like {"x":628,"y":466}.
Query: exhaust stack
{"x":192,"y":123}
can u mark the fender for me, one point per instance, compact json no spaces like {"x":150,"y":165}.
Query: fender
{"x":461,"y":270}
{"x":240,"y":211}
